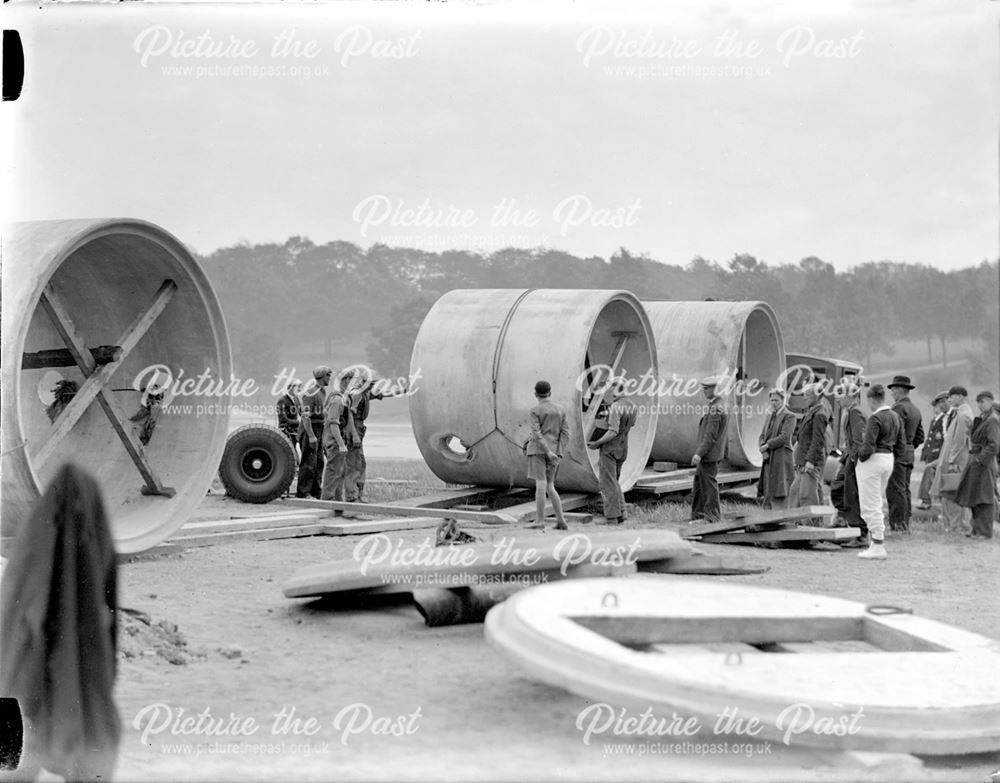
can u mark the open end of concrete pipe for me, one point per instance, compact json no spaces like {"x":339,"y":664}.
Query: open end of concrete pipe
{"x":128,"y":285}
{"x":741,"y":344}
{"x":479,"y":354}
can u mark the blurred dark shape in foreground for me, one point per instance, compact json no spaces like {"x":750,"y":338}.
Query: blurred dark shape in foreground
{"x":58,"y":632}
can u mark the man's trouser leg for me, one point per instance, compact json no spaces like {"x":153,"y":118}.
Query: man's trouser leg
{"x":924,"y":493}
{"x":895,"y":493}
{"x":953,"y":514}
{"x":311,"y":467}
{"x":611,"y":491}
{"x":778,"y":503}
{"x":982,"y":519}
{"x":706,"y":488}
{"x":837,"y":494}
{"x":697,"y":495}
{"x":618,"y":486}
{"x":795,"y":491}
{"x":852,"y":499}
{"x":352,"y":480}
{"x":334,"y":473}
{"x":873,"y":476}
{"x":362,"y":470}
{"x":908,"y":479}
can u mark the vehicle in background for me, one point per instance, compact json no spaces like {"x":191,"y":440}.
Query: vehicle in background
{"x":802,"y":369}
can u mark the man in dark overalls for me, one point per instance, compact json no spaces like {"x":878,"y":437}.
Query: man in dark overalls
{"x":311,"y":434}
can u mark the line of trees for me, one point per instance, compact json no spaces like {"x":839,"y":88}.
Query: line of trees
{"x":278,"y":297}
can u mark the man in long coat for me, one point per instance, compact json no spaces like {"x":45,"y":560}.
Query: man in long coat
{"x":776,"y":472}
{"x":932,"y":449}
{"x":712,"y":432}
{"x":977,"y":489}
{"x":809,"y":455}
{"x":954,"y":455}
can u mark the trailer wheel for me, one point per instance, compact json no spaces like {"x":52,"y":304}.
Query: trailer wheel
{"x":258,"y":464}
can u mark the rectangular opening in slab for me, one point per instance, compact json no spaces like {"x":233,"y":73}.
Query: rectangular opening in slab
{"x":759,"y":634}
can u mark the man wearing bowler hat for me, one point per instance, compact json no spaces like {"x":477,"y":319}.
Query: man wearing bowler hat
{"x":897,"y":493}
{"x":711,"y":450}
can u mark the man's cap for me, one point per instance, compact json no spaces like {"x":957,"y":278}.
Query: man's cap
{"x":543,"y":389}
{"x":939,"y":397}
{"x":710,"y":381}
{"x":776,"y":393}
{"x":961,"y":391}
{"x":986,"y":394}
{"x":322,"y":371}
{"x":902,"y":381}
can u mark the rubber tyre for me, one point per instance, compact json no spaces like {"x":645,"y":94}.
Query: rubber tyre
{"x":258,"y":464}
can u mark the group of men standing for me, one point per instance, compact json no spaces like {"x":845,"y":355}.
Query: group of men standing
{"x":876,"y":461}
{"x":328,"y":424}
{"x":878,"y":457}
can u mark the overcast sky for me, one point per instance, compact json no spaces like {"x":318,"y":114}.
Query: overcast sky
{"x":849,"y":131}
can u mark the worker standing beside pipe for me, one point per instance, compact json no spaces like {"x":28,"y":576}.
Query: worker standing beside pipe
{"x":613,"y":445}
{"x":705,"y":503}
{"x":311,"y":433}
{"x":338,"y":431}
{"x":549,"y":436}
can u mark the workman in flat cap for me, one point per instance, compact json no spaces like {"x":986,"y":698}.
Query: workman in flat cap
{"x":711,"y":450}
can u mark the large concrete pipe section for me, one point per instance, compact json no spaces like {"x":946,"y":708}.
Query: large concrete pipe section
{"x":475,"y":362}
{"x":70,"y":286}
{"x":738,"y":341}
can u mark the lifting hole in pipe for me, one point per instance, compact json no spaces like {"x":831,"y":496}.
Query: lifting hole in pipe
{"x":454,"y":448}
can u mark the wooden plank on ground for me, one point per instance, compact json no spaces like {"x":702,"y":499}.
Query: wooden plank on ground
{"x":270,"y":513}
{"x":757,"y":519}
{"x":653,"y":476}
{"x":795,"y":533}
{"x":379,"y":525}
{"x":446,"y":497}
{"x":461,"y":566}
{"x":247,"y":523}
{"x":260,"y":534}
{"x":697,"y":563}
{"x":496,"y":517}
{"x":665,"y":483}
{"x":755,"y":516}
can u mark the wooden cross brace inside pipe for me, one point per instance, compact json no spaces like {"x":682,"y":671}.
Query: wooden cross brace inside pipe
{"x":96,"y":378}
{"x":598,"y":399}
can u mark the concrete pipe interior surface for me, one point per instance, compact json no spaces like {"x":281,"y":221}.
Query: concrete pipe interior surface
{"x":114,"y":282}
{"x":738,"y":341}
{"x":479,"y":353}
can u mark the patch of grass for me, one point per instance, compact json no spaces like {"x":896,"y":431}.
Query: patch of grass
{"x":400,"y":470}
{"x":676,"y":513}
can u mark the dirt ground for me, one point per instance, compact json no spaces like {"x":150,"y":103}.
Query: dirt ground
{"x":390,"y":698}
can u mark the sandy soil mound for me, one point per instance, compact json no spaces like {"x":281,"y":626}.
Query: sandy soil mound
{"x":139,"y":636}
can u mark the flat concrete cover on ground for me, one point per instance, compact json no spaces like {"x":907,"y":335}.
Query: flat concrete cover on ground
{"x":905,"y":683}
{"x":382,"y":560}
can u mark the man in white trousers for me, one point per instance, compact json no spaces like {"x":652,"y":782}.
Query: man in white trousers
{"x":883,"y":442}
